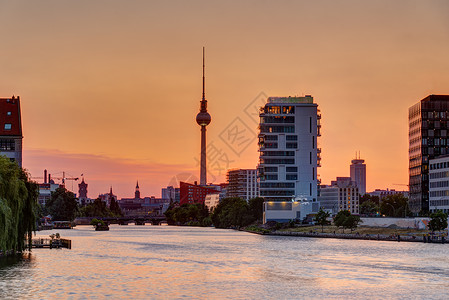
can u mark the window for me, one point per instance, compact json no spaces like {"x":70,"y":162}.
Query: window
{"x":291,"y":177}
{"x":291,"y":137}
{"x":8,"y":113}
{"x":7,"y":126}
{"x":291,"y":169}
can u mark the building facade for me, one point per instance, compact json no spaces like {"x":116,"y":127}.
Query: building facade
{"x":242,"y":183}
{"x":171,"y":193}
{"x":194,"y":193}
{"x":342,"y":194}
{"x":11,"y":129}
{"x":428,"y":139}
{"x":439,"y":184}
{"x":289,"y":156}
{"x":358,"y":174}
{"x":388,"y":192}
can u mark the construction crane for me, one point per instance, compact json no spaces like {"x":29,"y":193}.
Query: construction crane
{"x":63,"y":178}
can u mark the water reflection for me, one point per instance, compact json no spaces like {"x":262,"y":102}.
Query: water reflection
{"x":177,"y":262}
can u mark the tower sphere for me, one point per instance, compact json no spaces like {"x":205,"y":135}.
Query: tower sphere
{"x":203,"y":118}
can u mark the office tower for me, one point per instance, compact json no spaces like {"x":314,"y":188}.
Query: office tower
{"x":428,"y":139}
{"x":289,"y":156}
{"x":358,"y":174}
{"x":11,"y":129}
{"x":243,"y":183}
{"x":203,"y":119}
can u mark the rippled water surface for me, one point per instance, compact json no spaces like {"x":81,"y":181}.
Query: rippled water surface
{"x":154,"y":262}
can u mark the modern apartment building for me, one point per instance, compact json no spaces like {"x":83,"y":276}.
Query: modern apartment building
{"x":242,"y":183}
{"x":439,"y":184}
{"x":11,"y":129}
{"x":289,"y":156}
{"x":428,"y":139}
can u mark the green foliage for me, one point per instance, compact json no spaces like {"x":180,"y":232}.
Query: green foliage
{"x":115,"y":208}
{"x":256,"y":208}
{"x":438,"y":221}
{"x":394,"y":206}
{"x":367,"y":197}
{"x":188,"y":214}
{"x":321,"y":219}
{"x":96,"y":222}
{"x":62,"y":205}
{"x":232,"y":213}
{"x":99,"y":209}
{"x":369,"y":208}
{"x":18,"y":205}
{"x":344,"y":219}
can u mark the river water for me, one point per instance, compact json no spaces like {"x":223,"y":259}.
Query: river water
{"x":165,"y":262}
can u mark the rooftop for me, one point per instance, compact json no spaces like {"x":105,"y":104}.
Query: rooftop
{"x":308,"y":99}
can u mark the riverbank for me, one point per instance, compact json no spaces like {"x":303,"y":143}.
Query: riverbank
{"x":362,"y":233}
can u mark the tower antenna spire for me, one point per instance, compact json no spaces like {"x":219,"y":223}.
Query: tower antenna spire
{"x":204,"y":96}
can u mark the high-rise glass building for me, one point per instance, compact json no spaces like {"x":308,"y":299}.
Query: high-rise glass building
{"x":289,"y":156}
{"x":428,"y":138}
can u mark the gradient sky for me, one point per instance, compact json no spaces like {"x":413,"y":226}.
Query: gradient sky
{"x":110,"y":89}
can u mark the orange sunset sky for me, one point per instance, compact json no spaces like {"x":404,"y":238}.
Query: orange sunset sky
{"x":110,"y":89}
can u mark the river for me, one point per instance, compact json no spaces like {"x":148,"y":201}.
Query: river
{"x":165,"y":262}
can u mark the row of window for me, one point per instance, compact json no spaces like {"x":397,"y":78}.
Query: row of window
{"x":439,"y":165}
{"x":277,"y":161}
{"x":441,"y":202}
{"x":277,"y":193}
{"x":439,"y":193}
{"x":277,"y":153}
{"x":439,"y":175}
{"x":7,"y":145}
{"x":277,"y":119}
{"x":277,"y":185}
{"x":277,"y":129}
{"x":279,"y":110}
{"x":439,"y":184}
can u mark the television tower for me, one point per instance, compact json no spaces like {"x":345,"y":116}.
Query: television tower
{"x":203,"y":119}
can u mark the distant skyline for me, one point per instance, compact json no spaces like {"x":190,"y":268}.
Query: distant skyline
{"x":111,"y":89}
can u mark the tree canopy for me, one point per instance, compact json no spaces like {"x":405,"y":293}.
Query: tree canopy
{"x":99,"y":209}
{"x":394,"y":206}
{"x":344,"y":219}
{"x":438,"y":221}
{"x":18,"y":205}
{"x":321,"y":218}
{"x":62,"y":205}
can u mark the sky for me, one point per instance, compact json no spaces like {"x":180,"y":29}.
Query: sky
{"x":110,"y":89}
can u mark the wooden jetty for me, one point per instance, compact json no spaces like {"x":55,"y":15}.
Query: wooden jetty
{"x":51,"y":243}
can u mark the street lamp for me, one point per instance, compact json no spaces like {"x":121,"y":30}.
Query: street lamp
{"x":394,"y":210}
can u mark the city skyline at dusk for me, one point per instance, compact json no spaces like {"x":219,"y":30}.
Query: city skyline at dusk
{"x":111,"y":91}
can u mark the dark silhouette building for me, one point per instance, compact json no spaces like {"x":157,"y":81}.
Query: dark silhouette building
{"x":137,"y":192}
{"x":428,"y":138}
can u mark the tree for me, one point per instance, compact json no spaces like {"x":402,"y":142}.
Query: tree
{"x":394,"y":206}
{"x":321,"y":218}
{"x":62,"y":205}
{"x":438,"y":221}
{"x":256,"y":208}
{"x":18,"y":206}
{"x":351,"y":222}
{"x":340,"y":218}
{"x":232,"y":212}
{"x":369,"y":208}
{"x":368,"y":197}
{"x":188,"y":214}
{"x":115,"y":208}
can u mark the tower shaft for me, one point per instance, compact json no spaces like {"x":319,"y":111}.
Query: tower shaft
{"x":203,"y":172}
